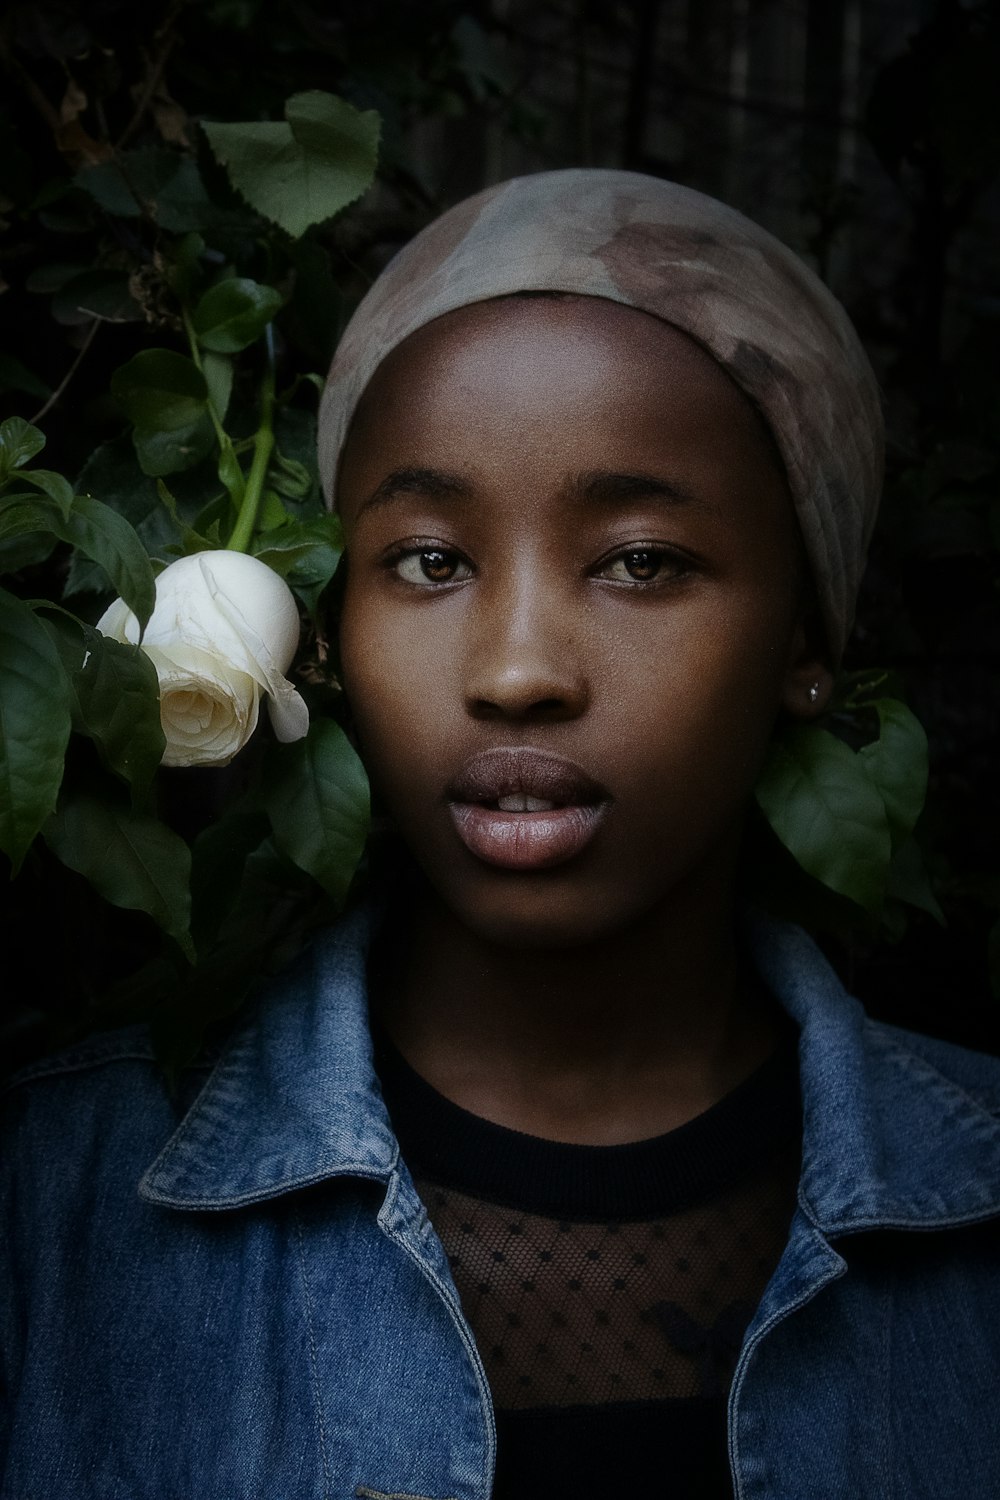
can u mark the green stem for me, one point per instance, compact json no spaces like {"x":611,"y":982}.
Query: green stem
{"x":229,"y":465}
{"x":220,"y":432}
{"x":263,"y":447}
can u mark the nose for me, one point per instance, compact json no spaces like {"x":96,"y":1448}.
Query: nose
{"x":524,"y":657}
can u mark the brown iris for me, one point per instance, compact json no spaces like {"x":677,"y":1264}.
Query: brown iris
{"x":437,"y":566}
{"x":642,"y":564}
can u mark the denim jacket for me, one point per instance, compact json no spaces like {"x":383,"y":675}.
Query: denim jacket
{"x":244,"y":1300}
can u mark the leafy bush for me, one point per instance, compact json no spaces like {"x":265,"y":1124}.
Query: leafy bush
{"x":181,"y":281}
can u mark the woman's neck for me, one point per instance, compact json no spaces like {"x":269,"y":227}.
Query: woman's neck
{"x":625,"y":1038}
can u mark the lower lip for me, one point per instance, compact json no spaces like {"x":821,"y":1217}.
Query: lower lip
{"x":526,"y":840}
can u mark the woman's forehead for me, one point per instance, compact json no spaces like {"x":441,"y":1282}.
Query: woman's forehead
{"x":540,"y":397}
{"x":512,"y":363}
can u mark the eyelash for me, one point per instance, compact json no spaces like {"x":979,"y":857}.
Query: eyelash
{"x":679,"y":563}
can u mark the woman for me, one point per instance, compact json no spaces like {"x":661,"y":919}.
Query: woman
{"x":553,"y":1170}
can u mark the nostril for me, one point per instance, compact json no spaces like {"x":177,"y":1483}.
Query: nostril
{"x":504,"y":707}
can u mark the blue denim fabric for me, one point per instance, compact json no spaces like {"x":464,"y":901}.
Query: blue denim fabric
{"x":243,"y":1299}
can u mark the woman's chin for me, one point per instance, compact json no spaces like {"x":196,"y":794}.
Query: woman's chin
{"x":535,"y":914}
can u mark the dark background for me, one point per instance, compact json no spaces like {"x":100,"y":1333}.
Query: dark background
{"x":864,"y":134}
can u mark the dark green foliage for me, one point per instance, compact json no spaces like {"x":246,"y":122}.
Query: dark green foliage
{"x":168,"y":177}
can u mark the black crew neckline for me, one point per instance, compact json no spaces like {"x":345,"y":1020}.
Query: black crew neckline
{"x":454,"y":1148}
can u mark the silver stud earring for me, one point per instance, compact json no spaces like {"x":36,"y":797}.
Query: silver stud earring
{"x":814,"y":693}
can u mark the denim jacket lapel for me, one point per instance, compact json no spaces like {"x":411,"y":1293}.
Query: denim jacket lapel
{"x":293,"y":1099}
{"x":892,"y":1135}
{"x":898,"y":1131}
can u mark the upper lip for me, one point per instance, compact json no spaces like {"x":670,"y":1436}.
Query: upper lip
{"x":507,"y":771}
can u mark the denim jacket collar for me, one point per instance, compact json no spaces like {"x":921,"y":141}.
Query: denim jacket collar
{"x":294,"y":1098}
{"x":889,"y":1138}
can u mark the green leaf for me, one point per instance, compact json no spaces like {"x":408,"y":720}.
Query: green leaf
{"x":119,"y":704}
{"x":130,"y":859}
{"x":101,"y":534}
{"x":183,"y":268}
{"x":305,"y":169}
{"x":15,"y":376}
{"x":219,"y":512}
{"x":289,"y":478}
{"x":160,"y":391}
{"x":44,"y":280}
{"x":108,"y":539}
{"x":909,"y":881}
{"x":316,"y":794}
{"x":191,"y":540}
{"x":218,"y":373}
{"x":819,"y":798}
{"x":233,"y":313}
{"x":35,"y":721}
{"x":897,"y":765}
{"x":112,"y":474}
{"x":219,"y":855}
{"x":96,"y":294}
{"x":25,"y":552}
{"x":161,"y":453}
{"x":165,"y":396}
{"x":19,"y":442}
{"x":272,"y":513}
{"x":305,"y":553}
{"x":295,"y":440}
{"x":115,"y":698}
{"x":124,"y":185}
{"x":52,"y":484}
{"x":164,"y":183}
{"x":183,"y":203}
{"x":275,"y":907}
{"x":22,"y":515}
{"x":230,"y":474}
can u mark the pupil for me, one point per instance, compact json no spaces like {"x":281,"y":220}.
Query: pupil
{"x":642,"y":564}
{"x":436,"y":566}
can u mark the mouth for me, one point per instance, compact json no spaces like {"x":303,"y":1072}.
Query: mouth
{"x":524,"y":809}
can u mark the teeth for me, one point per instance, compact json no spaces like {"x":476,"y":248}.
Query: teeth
{"x":521,"y":802}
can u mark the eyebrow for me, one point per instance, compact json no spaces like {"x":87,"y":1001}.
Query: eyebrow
{"x":431,"y":484}
{"x":594,"y":487}
{"x":602,"y":486}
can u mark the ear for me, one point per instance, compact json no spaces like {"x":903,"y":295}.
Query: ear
{"x":808,"y":685}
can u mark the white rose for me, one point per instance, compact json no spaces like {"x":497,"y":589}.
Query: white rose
{"x":224,"y":629}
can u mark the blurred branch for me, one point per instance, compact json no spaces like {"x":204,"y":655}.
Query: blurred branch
{"x":154,"y":74}
{"x":43,"y":411}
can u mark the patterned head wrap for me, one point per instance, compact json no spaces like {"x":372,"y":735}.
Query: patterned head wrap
{"x":685,"y":258}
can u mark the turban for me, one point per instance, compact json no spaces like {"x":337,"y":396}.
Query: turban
{"x":700,"y":266}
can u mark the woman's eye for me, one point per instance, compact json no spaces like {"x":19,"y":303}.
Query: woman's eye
{"x":426,"y":565}
{"x":642,"y":565}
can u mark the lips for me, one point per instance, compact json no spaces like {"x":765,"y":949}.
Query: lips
{"x":524,"y":809}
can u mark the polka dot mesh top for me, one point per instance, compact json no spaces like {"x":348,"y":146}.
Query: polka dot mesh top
{"x":608,"y":1287}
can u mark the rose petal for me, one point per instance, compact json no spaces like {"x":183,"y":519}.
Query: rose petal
{"x":225,"y":627}
{"x":288,"y":712}
{"x":234,"y":698}
{"x":117,"y":621}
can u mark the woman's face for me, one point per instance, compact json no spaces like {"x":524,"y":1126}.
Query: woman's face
{"x":572,"y":611}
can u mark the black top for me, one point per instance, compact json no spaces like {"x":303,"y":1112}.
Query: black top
{"x":609,"y":1287}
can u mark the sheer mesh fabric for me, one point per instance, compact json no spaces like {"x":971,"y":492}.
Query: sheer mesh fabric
{"x":568,"y":1312}
{"x":601,"y":1275}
